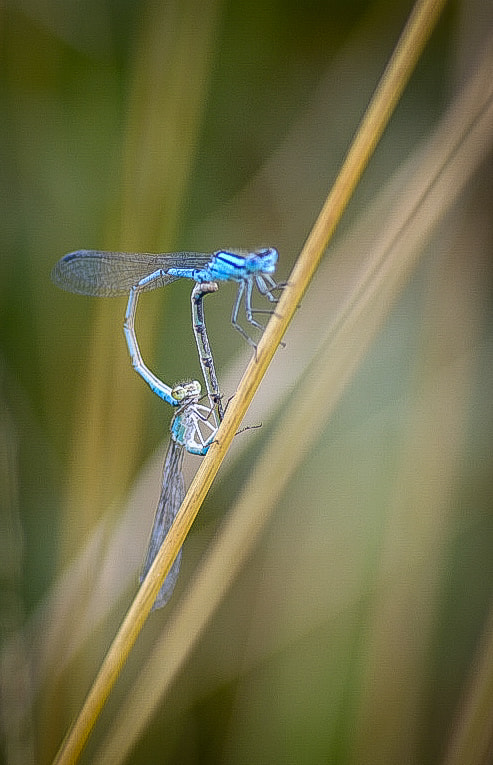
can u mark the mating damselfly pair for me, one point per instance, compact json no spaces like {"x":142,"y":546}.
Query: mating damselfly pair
{"x":194,"y":426}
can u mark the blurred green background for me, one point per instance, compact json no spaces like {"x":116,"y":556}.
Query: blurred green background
{"x":161,"y":126}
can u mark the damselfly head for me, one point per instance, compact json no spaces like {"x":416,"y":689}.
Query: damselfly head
{"x":266,"y":260}
{"x":187,"y":389}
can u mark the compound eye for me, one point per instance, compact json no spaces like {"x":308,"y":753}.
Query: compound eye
{"x":185,"y":390}
{"x":270,"y":253}
{"x":194,"y":388}
{"x":178,"y":392}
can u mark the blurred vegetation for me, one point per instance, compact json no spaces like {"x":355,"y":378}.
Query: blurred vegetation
{"x":354,"y":631}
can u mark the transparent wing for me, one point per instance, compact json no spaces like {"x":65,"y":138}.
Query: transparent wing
{"x":104,"y":274}
{"x":172,"y":495}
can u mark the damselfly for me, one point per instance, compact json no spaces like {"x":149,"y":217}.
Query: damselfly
{"x":94,"y":272}
{"x":193,"y":429}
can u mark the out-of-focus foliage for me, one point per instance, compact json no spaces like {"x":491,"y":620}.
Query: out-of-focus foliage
{"x":352,"y":633}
